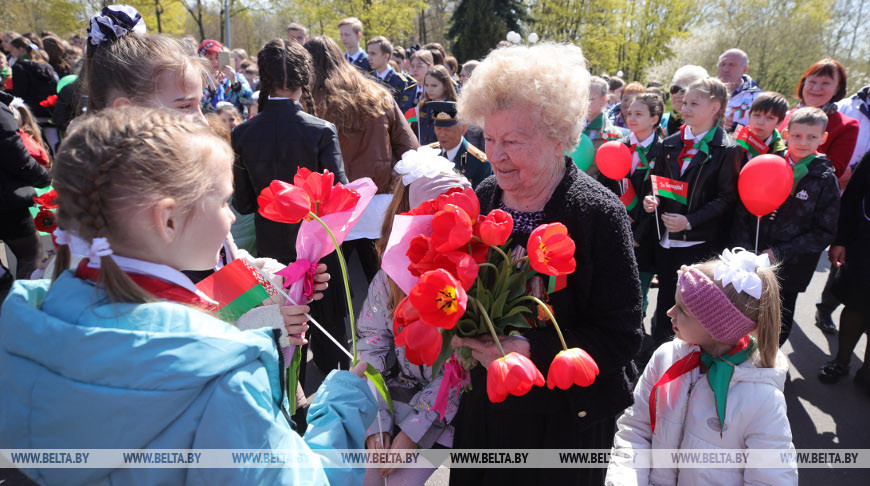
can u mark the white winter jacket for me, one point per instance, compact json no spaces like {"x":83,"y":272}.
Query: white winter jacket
{"x":755,"y":418}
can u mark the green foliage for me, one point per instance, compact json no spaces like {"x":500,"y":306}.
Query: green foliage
{"x":393,"y":19}
{"x":477,"y":26}
{"x":617,"y":34}
{"x":64,"y":17}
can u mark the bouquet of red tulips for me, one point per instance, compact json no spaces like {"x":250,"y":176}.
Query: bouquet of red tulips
{"x":327,"y":212}
{"x":462,"y":279}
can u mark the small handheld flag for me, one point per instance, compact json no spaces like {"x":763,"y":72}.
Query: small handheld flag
{"x":411,"y":115}
{"x":671,"y":189}
{"x":237,"y":288}
{"x":629,"y":196}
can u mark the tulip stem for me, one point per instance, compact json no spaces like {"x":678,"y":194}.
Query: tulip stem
{"x":346,"y":284}
{"x":503,"y":254}
{"x":489,"y":265}
{"x":489,"y":324}
{"x":521,"y":260}
{"x":550,"y":314}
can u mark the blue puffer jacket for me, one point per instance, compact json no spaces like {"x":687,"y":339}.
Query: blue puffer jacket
{"x":77,"y":372}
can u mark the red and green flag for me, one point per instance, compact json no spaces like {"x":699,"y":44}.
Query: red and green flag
{"x":237,"y":288}
{"x":411,"y":115}
{"x":671,"y":189}
{"x":751,"y":143}
{"x":629,"y":196}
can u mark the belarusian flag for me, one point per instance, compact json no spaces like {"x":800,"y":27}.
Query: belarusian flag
{"x":237,"y":288}
{"x":671,"y":189}
{"x":628,"y":197}
{"x":411,"y":115}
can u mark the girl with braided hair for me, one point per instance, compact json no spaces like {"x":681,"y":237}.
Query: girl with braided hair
{"x":133,"y":346}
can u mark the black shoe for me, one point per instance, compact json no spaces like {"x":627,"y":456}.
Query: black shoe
{"x":832,"y":371}
{"x":825,"y":323}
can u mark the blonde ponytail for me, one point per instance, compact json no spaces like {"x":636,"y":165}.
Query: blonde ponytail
{"x":769,"y":319}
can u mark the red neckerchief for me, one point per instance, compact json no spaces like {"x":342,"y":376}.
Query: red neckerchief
{"x":680,"y":368}
{"x":684,"y":158}
{"x":162,"y":290}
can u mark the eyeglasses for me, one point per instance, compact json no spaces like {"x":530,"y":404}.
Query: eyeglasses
{"x":677,"y":89}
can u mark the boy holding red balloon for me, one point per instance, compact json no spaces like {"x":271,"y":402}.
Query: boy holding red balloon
{"x":761,"y":137}
{"x":794,"y":234}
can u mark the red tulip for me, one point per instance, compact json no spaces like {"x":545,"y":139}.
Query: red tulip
{"x":462,"y":198}
{"x":551,"y":250}
{"x":404,"y":315}
{"x":340,"y":199}
{"x":426,"y":208}
{"x":422,"y":255}
{"x":513,"y":374}
{"x":422,"y":343}
{"x":572,"y":366}
{"x":451,"y":228}
{"x":316,"y":185}
{"x":47,"y":200}
{"x":48,"y":102}
{"x":439,"y":298}
{"x":283,"y":202}
{"x":460,"y":265}
{"x":496,"y":228}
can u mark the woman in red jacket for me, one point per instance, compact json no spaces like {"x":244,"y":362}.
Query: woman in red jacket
{"x":822,"y":86}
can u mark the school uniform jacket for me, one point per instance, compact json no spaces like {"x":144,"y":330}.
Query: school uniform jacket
{"x":712,"y":187}
{"x":800,"y":229}
{"x":643,"y":227}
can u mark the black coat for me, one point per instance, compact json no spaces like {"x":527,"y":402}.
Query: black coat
{"x":853,"y":229}
{"x":599,"y":311}
{"x":19,"y":172}
{"x":272,"y":145}
{"x":800,"y":229}
{"x":712,"y":187}
{"x":33,"y":82}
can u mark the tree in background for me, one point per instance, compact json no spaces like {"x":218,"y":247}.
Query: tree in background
{"x":618,"y":34}
{"x":478,"y":25}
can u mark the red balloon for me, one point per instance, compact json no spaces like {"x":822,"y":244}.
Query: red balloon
{"x":765,"y":183}
{"x":614,"y":160}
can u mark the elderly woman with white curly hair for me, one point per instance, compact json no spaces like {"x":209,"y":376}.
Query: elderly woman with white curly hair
{"x":532,"y":103}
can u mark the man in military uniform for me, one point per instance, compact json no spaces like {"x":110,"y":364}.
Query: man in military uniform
{"x":351,"y":30}
{"x":403,"y":88}
{"x":468,"y":159}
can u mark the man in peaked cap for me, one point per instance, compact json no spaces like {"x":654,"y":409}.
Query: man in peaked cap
{"x":469,"y":160}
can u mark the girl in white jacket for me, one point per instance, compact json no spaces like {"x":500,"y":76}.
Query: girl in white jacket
{"x":718,"y":385}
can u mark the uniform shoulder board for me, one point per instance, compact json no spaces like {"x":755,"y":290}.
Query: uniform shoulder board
{"x":401,"y":76}
{"x":477,"y":153}
{"x":434,"y":145}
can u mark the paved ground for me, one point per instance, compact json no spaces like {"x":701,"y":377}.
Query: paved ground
{"x":822,"y":416}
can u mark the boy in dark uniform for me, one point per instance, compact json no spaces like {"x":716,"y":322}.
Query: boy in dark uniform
{"x":468,"y":159}
{"x":761,"y":137}
{"x":797,"y":233}
{"x":403,"y":88}
{"x":351,"y":30}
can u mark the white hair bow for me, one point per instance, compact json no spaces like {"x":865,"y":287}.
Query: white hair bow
{"x":423,"y":162}
{"x":99,"y":248}
{"x":76,"y":245}
{"x":737,"y":268}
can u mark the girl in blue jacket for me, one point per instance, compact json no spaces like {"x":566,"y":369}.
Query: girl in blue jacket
{"x":123,"y":352}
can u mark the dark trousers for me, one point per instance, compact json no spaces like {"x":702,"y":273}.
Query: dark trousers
{"x":368,"y":256}
{"x":667,"y":262}
{"x":789,"y":301}
{"x":829,"y":302}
